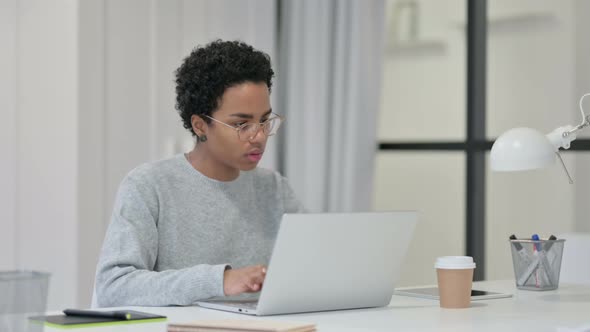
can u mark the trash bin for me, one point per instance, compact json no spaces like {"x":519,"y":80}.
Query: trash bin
{"x":22,"y":294}
{"x":537,"y":263}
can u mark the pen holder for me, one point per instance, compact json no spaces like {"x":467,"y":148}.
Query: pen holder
{"x":22,"y":294}
{"x":537,"y":263}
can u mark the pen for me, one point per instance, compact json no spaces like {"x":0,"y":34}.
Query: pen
{"x":535,"y":237}
{"x":123,"y":315}
{"x":526,"y":259}
{"x":549,"y":244}
{"x":544,"y":265}
{"x":551,"y":254}
{"x":519,"y":249}
{"x":536,"y":250}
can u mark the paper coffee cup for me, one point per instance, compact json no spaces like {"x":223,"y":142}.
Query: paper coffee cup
{"x":455,"y":277}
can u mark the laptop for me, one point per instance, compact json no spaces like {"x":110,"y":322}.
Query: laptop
{"x":330,"y":261}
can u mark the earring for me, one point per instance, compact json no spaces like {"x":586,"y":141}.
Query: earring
{"x":203,"y":138}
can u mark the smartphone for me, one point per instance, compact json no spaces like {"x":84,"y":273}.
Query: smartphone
{"x":432,"y":293}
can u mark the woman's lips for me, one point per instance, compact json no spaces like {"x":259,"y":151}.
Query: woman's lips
{"x":254,"y":156}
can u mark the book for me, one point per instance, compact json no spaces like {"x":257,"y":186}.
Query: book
{"x":238,"y":325}
{"x":68,"y":322}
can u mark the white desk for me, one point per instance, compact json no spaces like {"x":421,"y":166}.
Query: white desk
{"x":568,"y":306}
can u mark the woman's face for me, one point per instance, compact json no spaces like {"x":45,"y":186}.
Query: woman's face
{"x":243,"y":103}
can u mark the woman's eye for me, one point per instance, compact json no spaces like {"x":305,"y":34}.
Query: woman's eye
{"x":239,"y":124}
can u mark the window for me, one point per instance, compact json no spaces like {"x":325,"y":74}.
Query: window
{"x":457,"y":74}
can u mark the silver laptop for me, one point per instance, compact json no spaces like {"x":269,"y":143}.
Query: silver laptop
{"x":331,"y":261}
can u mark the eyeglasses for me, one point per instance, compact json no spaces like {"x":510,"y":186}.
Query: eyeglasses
{"x":247,"y":131}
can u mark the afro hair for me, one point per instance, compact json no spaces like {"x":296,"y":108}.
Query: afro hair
{"x":209,"y":70}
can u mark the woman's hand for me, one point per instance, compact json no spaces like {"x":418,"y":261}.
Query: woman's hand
{"x":247,"y":279}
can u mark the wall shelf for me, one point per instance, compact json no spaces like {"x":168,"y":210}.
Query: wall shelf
{"x":416,"y":47}
{"x":519,"y":19}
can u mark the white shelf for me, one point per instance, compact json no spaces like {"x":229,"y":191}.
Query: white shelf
{"x":417,"y":47}
{"x":523,"y":19}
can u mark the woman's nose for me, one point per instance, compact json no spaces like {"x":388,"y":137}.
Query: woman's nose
{"x":259,"y":136}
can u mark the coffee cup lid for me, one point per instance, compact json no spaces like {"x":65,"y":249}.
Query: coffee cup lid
{"x":454,"y":262}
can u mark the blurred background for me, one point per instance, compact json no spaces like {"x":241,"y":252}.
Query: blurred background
{"x":376,"y":99}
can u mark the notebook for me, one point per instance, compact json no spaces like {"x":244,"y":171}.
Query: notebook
{"x":68,"y":322}
{"x":231,"y":325}
{"x":331,"y":261}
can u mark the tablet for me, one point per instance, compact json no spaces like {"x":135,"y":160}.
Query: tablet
{"x":432,"y":293}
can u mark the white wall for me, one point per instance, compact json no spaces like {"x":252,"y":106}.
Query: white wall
{"x":91,"y":149}
{"x":39,"y":147}
{"x":8,"y":142}
{"x":87,"y":94}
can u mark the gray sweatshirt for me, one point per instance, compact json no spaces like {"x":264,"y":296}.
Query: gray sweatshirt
{"x":174,"y":231}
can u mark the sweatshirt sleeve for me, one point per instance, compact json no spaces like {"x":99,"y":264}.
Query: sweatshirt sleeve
{"x":125,"y":273}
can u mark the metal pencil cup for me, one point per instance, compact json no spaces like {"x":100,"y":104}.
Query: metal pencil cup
{"x":22,"y":294}
{"x":537,"y":263}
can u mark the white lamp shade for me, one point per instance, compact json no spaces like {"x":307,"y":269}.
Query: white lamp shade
{"x":521,"y":149}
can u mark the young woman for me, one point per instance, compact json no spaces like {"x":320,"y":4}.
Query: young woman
{"x":201,"y":224}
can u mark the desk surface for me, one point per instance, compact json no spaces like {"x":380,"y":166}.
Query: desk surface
{"x":566,"y":307}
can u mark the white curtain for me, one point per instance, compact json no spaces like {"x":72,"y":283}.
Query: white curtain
{"x":329,"y":77}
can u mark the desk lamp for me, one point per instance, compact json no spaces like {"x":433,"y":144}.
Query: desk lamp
{"x":523,"y":148}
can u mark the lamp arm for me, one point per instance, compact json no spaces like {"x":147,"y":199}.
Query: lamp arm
{"x":585,"y":118}
{"x":584,"y":124}
{"x":563,"y":136}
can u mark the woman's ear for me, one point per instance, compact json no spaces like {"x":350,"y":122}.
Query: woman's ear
{"x":199,"y":125}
